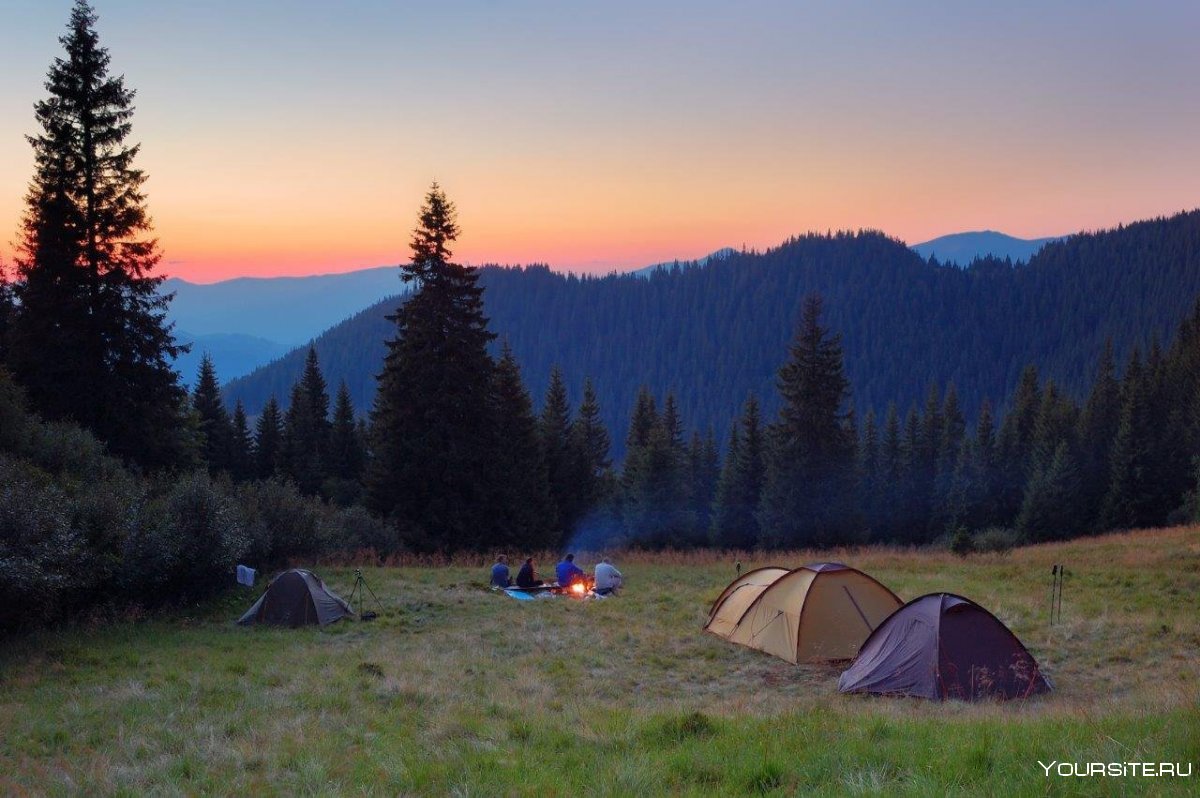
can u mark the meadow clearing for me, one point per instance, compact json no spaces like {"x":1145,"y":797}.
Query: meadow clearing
{"x":456,"y":690}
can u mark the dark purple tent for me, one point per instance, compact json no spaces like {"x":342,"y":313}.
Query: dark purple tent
{"x":944,"y":646}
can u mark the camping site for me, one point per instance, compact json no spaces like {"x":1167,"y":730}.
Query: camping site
{"x":456,"y":690}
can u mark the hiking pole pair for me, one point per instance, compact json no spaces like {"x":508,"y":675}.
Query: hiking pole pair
{"x":1058,"y":574}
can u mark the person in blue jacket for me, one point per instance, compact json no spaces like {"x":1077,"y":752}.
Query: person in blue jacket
{"x":568,"y":572}
{"x":500,"y":577}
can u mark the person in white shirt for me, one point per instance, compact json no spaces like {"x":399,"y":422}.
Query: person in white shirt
{"x":607,"y":578}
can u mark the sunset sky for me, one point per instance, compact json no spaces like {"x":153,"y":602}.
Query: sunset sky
{"x":293,"y":137}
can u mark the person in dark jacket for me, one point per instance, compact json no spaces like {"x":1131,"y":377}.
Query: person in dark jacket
{"x":527,"y":577}
{"x":568,"y":572}
{"x":500,"y":577}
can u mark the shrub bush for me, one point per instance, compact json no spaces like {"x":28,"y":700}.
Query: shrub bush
{"x":996,"y":540}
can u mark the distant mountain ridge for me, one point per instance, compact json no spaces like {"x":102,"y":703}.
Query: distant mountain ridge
{"x":962,"y":248}
{"x":712,"y":334}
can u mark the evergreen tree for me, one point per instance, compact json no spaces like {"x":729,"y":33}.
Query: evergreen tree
{"x":1129,"y":502}
{"x":306,"y":428}
{"x":525,"y":516}
{"x":808,"y":494}
{"x":1096,"y":431}
{"x":739,"y":490}
{"x":432,"y":435}
{"x":913,"y":504}
{"x":1050,"y":508}
{"x":869,"y":478}
{"x":215,"y":428}
{"x":643,"y":421}
{"x":590,"y":444}
{"x":554,"y":430}
{"x":891,"y":467}
{"x":1015,"y":446}
{"x":346,"y":456}
{"x":346,"y":453}
{"x":983,"y":503}
{"x":657,"y":511}
{"x":951,"y":469}
{"x":241,"y":446}
{"x":704,"y":469}
{"x":89,"y":341}
{"x":268,"y":441}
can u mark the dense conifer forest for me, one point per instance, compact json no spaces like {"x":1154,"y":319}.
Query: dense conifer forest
{"x":712,"y":334}
{"x":835,"y":390}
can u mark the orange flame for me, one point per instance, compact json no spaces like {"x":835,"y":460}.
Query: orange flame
{"x":579,"y":588}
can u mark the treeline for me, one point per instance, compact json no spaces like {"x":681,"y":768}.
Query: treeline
{"x":81,"y":533}
{"x":118,"y":487}
{"x":713,"y":334}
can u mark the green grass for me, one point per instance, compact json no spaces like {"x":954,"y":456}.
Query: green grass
{"x":456,"y":690}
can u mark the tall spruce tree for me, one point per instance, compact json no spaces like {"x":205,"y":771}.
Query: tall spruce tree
{"x":704,"y":469}
{"x":869,"y":458}
{"x":891,"y":469}
{"x":590,"y":443}
{"x":268,"y":441}
{"x":241,"y":446}
{"x":524,"y":511}
{"x":739,"y":490}
{"x":306,"y":428}
{"x":90,"y":341}
{"x":1129,"y":502}
{"x":346,"y":454}
{"x":1015,"y":445}
{"x":215,"y":427}
{"x":657,"y":512}
{"x":1050,"y":509}
{"x":432,"y":434}
{"x":808,"y":494}
{"x":554,"y":431}
{"x":1097,"y":429}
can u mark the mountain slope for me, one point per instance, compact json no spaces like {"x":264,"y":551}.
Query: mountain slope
{"x":962,"y":248}
{"x":289,"y":310}
{"x":712,"y":334}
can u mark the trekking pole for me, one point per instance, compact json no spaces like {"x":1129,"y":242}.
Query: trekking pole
{"x":1053,"y":590}
{"x":1062,"y":577}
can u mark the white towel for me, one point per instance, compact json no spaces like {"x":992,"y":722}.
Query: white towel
{"x":245,"y":575}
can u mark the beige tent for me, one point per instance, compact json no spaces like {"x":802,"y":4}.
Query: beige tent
{"x":822,"y":611}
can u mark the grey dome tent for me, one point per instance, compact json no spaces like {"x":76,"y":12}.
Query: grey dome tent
{"x":297,"y":598}
{"x":943,"y":646}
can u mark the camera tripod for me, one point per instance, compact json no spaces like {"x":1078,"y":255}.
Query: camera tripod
{"x":361,"y":589}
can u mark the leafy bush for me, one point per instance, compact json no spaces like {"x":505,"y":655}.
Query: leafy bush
{"x":355,"y":529}
{"x":996,"y":540}
{"x":280,"y":523}
{"x":42,"y":559}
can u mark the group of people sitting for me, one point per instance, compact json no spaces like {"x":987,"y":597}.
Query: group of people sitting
{"x":606,"y":578}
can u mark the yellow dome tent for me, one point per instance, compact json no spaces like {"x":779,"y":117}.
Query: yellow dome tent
{"x":822,"y":611}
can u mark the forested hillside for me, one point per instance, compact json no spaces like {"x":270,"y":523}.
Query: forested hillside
{"x":713,"y":334}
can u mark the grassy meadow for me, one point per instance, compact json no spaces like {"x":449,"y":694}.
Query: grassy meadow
{"x":457,"y":690}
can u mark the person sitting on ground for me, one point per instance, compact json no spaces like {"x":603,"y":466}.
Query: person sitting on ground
{"x":527,"y":577}
{"x":608,"y":578}
{"x":568,"y":572}
{"x":500,"y":577}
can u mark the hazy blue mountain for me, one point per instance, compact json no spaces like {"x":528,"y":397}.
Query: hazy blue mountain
{"x":290,"y":310}
{"x":247,"y":322}
{"x":233,"y":354}
{"x":713,"y":333}
{"x":962,"y":248}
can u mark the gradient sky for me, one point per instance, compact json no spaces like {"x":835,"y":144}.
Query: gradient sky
{"x":294,"y":136}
